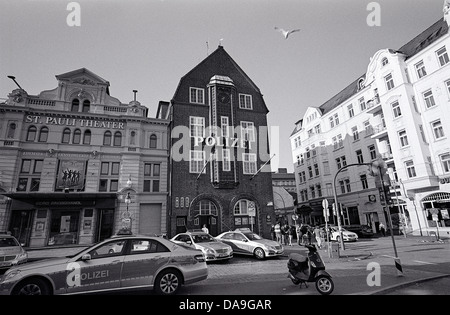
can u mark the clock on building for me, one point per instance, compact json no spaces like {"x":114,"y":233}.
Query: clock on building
{"x":223,"y":97}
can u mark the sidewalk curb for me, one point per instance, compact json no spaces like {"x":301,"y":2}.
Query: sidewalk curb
{"x":401,"y":285}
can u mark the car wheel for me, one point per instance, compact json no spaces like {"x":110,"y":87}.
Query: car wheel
{"x":168,"y":282}
{"x":32,"y":287}
{"x":259,"y":253}
{"x":324,"y":285}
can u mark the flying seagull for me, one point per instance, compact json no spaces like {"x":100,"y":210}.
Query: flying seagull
{"x":286,"y":33}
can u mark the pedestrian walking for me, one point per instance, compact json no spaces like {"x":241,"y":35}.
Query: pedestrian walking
{"x":318,"y":236}
{"x":205,"y":229}
{"x":277,"y":230}
{"x":299,"y":234}
{"x":382,"y":229}
{"x":285,"y":233}
{"x":291,"y":234}
{"x":272,"y":232}
{"x":304,"y":236}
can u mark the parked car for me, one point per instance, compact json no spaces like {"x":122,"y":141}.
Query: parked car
{"x":213,"y":249}
{"x":361,"y":230}
{"x":11,"y":252}
{"x":245,"y":242}
{"x":346,"y":235}
{"x":154,"y":263}
{"x":63,"y":239}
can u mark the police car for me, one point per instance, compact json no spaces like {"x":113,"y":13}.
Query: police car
{"x":136,"y":262}
{"x":11,"y":252}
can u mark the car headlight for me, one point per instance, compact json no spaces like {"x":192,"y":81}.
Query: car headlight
{"x":10,"y":275}
{"x":20,"y":258}
{"x":207,"y":250}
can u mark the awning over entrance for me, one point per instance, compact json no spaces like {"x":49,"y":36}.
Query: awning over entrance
{"x":38,"y":199}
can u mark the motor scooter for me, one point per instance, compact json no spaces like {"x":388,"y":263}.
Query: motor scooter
{"x":310,"y":269}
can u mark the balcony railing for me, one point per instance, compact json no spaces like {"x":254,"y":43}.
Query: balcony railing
{"x":35,"y":101}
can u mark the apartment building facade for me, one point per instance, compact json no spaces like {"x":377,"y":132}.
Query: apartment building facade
{"x":395,"y":111}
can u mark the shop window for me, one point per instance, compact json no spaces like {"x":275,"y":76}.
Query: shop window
{"x":64,"y":227}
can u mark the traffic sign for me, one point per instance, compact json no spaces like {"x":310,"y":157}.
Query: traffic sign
{"x":294,"y":217}
{"x":325,"y":204}
{"x":251,"y":208}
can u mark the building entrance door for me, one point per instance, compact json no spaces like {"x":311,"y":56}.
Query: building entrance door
{"x":20,"y":225}
{"x":105,"y":219}
{"x":211,"y":223}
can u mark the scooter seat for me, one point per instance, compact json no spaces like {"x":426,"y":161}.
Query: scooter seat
{"x":298,"y":258}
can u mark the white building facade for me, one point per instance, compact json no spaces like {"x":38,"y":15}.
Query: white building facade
{"x":398,"y":111}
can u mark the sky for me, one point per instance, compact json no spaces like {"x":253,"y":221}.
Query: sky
{"x":148,"y":45}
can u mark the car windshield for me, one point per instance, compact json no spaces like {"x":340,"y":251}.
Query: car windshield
{"x":252,"y":236}
{"x":202,"y":238}
{"x":8,"y":242}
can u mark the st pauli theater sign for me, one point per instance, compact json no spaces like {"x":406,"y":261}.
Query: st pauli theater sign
{"x":73,"y":122}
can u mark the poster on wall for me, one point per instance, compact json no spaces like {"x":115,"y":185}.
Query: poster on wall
{"x":65,"y":224}
{"x":445,"y":215}
{"x":71,"y":175}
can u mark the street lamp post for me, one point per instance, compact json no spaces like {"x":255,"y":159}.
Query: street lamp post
{"x":126,"y":217}
{"x":14,"y":79}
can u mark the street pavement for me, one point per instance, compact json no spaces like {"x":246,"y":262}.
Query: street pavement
{"x":421,"y":258}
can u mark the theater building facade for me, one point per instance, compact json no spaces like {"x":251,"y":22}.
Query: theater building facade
{"x":219,"y":169}
{"x":75,"y":162}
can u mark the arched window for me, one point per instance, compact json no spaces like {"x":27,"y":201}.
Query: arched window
{"x":107,"y":138}
{"x":384,"y":61}
{"x":153,"y":141}
{"x":11,"y":130}
{"x":86,"y":106}
{"x":76,"y":136}
{"x":66,"y":136}
{"x":31,"y":134}
{"x":87,"y":137}
{"x":75,"y":105}
{"x":241,"y":207}
{"x":133,"y":137}
{"x":43,"y":134}
{"x":117,"y":139}
{"x":205,"y":207}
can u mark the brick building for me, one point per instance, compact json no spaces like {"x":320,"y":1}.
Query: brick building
{"x":218,"y":144}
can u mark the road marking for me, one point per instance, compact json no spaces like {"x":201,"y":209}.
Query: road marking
{"x":424,"y":262}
